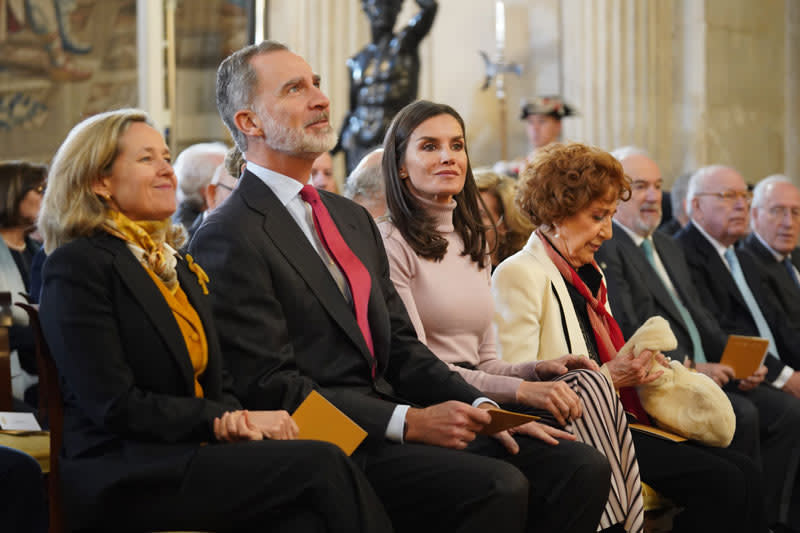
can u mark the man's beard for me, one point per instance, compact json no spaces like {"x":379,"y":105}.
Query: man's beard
{"x":298,"y":141}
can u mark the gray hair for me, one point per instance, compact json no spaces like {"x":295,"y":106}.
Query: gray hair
{"x":367,"y":179}
{"x":624,"y":152}
{"x":760,"y":190}
{"x":194,"y":169}
{"x":236,"y":81}
{"x":677,"y":194}
{"x":696,"y":182}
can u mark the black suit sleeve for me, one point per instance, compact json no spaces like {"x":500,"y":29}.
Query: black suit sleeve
{"x":81,"y":322}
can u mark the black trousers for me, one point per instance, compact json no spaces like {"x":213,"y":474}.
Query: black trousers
{"x":719,"y":489}
{"x":22,"y":502}
{"x":543,"y":488}
{"x":287,"y":486}
{"x":778,"y":426}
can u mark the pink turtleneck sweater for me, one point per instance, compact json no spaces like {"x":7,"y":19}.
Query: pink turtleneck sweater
{"x":451,"y":307}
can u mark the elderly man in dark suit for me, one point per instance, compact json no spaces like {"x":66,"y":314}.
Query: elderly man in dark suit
{"x":729,"y":284}
{"x":647,"y":275}
{"x":775,"y":221}
{"x":304,"y":305}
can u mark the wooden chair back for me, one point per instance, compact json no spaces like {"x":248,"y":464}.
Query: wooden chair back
{"x":6,"y":400}
{"x":51,"y":410}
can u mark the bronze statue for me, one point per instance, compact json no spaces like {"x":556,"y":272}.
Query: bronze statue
{"x":383,"y":76}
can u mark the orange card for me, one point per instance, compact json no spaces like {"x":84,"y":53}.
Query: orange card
{"x":660,"y":433}
{"x":319,"y":419}
{"x":502,"y":420}
{"x":744,"y":354}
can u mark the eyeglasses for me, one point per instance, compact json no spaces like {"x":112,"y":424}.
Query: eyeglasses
{"x":780,"y":211}
{"x":226,"y":187}
{"x":729,"y":195}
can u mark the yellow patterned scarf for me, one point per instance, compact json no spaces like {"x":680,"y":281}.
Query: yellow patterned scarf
{"x":146,"y":239}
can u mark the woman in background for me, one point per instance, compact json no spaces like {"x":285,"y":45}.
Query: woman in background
{"x":21,"y":187}
{"x":153,"y":437}
{"x":512,"y":229}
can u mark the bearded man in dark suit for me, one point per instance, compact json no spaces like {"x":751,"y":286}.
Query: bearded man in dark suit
{"x":287,"y":308}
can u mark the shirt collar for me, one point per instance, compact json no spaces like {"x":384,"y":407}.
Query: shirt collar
{"x":778,"y":257}
{"x":635,"y":237}
{"x":714,"y":242}
{"x":284,"y":187}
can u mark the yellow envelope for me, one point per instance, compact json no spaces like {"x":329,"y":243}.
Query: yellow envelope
{"x":502,"y":420}
{"x":319,"y":419}
{"x":660,"y":433}
{"x":744,"y":354}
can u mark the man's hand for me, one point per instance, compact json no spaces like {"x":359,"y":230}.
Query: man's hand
{"x":552,"y":368}
{"x":555,"y":397}
{"x":275,"y":425}
{"x":753,"y":381}
{"x":792,"y":386}
{"x":450,"y":424}
{"x":721,"y":374}
{"x":542,"y":432}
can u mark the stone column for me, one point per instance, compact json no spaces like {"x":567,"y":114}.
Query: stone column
{"x":619,"y":71}
{"x":792,"y":99}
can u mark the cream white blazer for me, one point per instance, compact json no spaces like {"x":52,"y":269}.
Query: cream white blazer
{"x":529,"y":296}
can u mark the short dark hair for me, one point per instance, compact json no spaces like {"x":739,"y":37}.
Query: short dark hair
{"x":236,"y":81}
{"x":16,"y":179}
{"x":417,"y":227}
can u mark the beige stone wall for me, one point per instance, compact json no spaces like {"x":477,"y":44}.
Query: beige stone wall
{"x":745,"y":85}
{"x":792,"y":97}
{"x":692,"y":81}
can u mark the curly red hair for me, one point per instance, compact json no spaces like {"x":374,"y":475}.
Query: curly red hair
{"x":563,"y":179}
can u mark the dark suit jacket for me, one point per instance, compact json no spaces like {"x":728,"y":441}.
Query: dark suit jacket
{"x":782,"y":296}
{"x":636,"y":292}
{"x":285,"y":327}
{"x":784,"y":292}
{"x":131,"y":419}
{"x":717,"y":289}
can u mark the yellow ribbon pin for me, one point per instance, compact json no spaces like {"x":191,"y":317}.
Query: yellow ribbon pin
{"x":202,"y":277}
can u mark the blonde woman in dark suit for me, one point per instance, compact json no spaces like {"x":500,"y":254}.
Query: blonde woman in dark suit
{"x":153,"y":437}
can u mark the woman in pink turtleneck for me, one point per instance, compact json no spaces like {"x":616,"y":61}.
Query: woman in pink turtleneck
{"x":440,"y":265}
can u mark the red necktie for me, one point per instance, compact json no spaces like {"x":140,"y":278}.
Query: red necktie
{"x":351,"y":266}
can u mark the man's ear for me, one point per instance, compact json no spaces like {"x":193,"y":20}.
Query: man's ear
{"x":209,"y":194}
{"x":248,"y":123}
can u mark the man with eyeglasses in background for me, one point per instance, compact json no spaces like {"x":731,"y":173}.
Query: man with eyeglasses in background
{"x":647,"y":275}
{"x":729,"y":281}
{"x":775,"y":221}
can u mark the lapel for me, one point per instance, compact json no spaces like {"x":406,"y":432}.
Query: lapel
{"x":301,"y":255}
{"x":710,"y":260}
{"x":754,"y":245}
{"x":535,"y":247}
{"x":147,"y":295}
{"x":651,"y":279}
